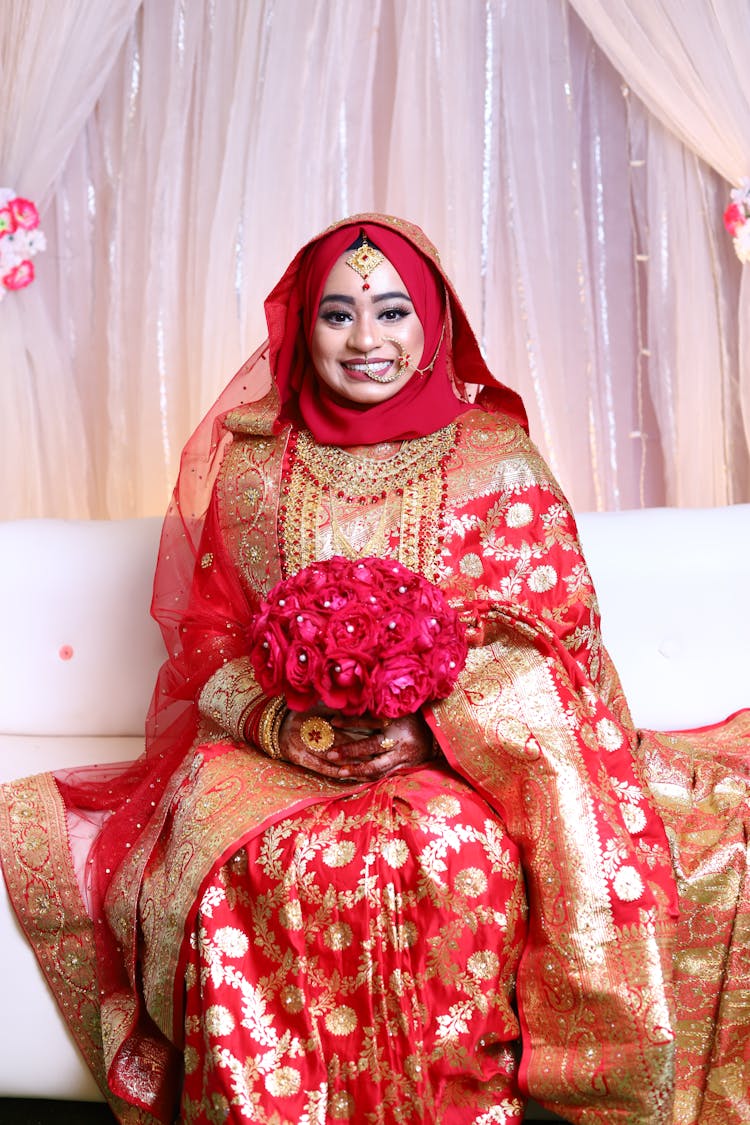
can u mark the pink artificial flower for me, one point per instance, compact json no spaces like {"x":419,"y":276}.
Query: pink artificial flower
{"x":400,"y":686}
{"x":302,"y":670}
{"x":363,"y":636}
{"x":734,"y":218}
{"x":19,"y":277}
{"x":7,"y":222}
{"x":344,"y":682}
{"x":25,"y":213}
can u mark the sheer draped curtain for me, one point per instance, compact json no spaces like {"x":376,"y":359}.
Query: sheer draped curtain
{"x":689,"y":64}
{"x":180,"y":153}
{"x":55,"y":58}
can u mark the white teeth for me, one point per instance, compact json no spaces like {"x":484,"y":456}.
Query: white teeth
{"x":376,"y":367}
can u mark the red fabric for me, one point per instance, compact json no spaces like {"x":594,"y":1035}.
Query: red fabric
{"x":138,"y":795}
{"x":425,"y":404}
{"x":426,"y":1031}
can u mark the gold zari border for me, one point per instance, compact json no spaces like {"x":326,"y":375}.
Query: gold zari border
{"x":43,"y":889}
{"x":591,"y":993}
{"x":229,"y":695}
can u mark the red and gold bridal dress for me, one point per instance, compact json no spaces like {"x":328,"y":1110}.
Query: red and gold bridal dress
{"x":348,"y":994}
{"x":430,"y":947}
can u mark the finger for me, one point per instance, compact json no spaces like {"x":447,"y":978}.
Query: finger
{"x":359,"y":750}
{"x":318,"y":766}
{"x":366,"y":723}
{"x":376,"y":768}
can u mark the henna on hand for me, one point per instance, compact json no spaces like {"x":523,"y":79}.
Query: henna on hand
{"x":364,"y":748}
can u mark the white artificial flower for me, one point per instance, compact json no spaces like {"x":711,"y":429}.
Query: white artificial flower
{"x":742,"y":242}
{"x":741,"y":195}
{"x":10,"y":255}
{"x":35,"y":241}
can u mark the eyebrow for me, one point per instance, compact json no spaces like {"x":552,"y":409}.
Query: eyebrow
{"x":341,"y":298}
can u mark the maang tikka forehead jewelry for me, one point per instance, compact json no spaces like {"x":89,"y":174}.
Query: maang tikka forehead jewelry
{"x":364,"y":260}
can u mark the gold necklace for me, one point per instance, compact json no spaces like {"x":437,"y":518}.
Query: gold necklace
{"x":407,"y":490}
{"x":362,"y":477}
{"x":357,"y":546}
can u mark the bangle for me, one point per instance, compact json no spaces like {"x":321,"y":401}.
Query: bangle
{"x":269,"y":726}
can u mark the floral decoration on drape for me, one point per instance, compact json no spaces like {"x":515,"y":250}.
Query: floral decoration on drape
{"x":20,"y":239}
{"x":737,"y":220}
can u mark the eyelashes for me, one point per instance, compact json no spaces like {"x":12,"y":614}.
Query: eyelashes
{"x":396,"y":312}
{"x":389,"y":315}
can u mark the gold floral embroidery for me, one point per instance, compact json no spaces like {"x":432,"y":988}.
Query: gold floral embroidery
{"x":509,"y":699}
{"x":231,"y":792}
{"x":701,"y":784}
{"x":378,"y":990}
{"x":365,"y":476}
{"x":44,"y":890}
{"x":342,"y":1020}
{"x":248,"y":494}
{"x":339,"y":503}
{"x":254,"y":418}
{"x":229,"y":695}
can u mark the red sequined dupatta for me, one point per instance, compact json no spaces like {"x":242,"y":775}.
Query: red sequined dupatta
{"x":131,"y":805}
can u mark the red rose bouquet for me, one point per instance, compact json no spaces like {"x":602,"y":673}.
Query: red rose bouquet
{"x":365,"y":636}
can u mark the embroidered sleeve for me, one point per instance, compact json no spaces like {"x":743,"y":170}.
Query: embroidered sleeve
{"x":530,"y":727}
{"x":511,"y":538}
{"x":229,"y":696}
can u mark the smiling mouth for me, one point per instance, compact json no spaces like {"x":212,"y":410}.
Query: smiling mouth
{"x":376,"y":370}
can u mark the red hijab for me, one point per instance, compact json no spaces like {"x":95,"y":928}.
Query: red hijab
{"x":424,"y":404}
{"x":429,"y":400}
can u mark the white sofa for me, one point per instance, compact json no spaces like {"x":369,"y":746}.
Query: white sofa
{"x":79,"y":655}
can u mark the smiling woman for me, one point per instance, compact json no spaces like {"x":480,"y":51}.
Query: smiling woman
{"x":368,"y":339}
{"x":294,"y":913}
{"x":293,"y":907}
{"x":374,"y":338}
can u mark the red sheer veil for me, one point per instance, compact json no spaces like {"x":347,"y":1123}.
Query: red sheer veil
{"x":134,"y":795}
{"x":282,"y":361}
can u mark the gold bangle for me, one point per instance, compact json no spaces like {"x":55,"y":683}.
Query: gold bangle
{"x":269,"y":726}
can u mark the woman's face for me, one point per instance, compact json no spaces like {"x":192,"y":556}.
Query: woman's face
{"x":360,"y":334}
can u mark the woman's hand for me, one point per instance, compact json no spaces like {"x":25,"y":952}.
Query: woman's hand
{"x":365,"y":748}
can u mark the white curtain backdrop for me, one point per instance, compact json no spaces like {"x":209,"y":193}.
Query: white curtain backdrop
{"x":181,"y":152}
{"x":690,"y":66}
{"x":55,"y":57}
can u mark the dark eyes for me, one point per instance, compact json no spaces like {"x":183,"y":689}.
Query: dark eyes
{"x":334,"y":317}
{"x":396,"y":313}
{"x":389,"y":315}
